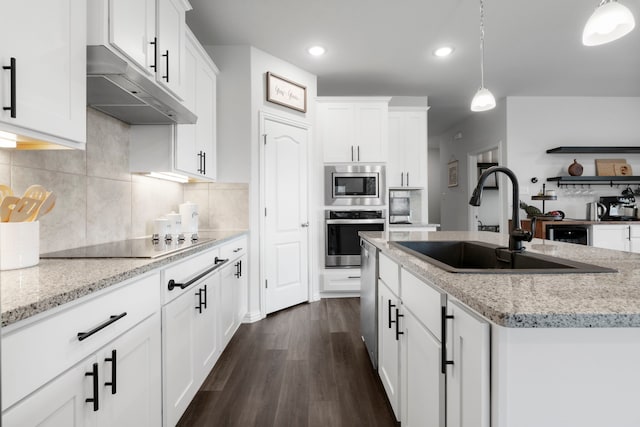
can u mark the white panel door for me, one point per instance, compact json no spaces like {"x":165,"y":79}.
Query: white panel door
{"x":285,"y":227}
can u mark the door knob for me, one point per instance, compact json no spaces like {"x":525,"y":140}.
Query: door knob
{"x":304,"y":224}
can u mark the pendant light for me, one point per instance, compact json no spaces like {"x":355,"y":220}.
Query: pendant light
{"x":610,"y":21}
{"x":483,"y":100}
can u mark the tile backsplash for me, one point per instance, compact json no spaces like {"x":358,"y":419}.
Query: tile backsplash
{"x":98,"y":200}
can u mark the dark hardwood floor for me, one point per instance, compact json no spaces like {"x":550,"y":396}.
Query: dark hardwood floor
{"x":304,"y":366}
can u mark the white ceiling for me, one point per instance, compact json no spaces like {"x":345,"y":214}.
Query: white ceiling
{"x":384,"y":47}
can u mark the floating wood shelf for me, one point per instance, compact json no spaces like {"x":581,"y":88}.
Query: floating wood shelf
{"x":596,"y":150}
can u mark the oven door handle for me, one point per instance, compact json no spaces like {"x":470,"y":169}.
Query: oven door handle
{"x":355,"y":221}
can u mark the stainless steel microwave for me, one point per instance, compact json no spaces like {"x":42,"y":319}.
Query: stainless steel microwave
{"x":354,"y":184}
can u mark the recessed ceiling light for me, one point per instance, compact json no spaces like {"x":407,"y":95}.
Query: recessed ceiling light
{"x":316,"y":50}
{"x":443,"y":51}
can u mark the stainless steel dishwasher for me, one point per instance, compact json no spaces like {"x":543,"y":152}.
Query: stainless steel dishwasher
{"x":369,"y":299}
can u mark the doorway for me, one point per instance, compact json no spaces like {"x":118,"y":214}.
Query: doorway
{"x":490,"y":215}
{"x":285,"y":239}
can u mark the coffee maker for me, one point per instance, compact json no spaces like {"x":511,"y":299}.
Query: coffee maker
{"x":619,"y":208}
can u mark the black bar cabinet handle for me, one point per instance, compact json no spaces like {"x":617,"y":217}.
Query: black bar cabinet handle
{"x":401,"y":179}
{"x":358,"y":153}
{"x":112,"y":319}
{"x":12,"y":67}
{"x":217,"y":264}
{"x":94,"y":374}
{"x":390,"y":321}
{"x":408,"y":180}
{"x":166,"y":56}
{"x":398,"y":332}
{"x":114,"y":362}
{"x":155,"y":53}
{"x":352,"y":153}
{"x":240,"y":267}
{"x":199,"y":294}
{"x":204,"y":162}
{"x":204,"y":291}
{"x":443,"y":337}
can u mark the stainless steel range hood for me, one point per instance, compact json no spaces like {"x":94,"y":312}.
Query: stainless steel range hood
{"x":121,"y":91}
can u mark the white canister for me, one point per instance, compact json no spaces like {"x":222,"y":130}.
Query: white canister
{"x":19,"y":244}
{"x":189,"y":213}
{"x":161,"y":228}
{"x":175,"y":223}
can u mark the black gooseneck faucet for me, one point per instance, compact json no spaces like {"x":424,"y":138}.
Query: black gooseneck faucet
{"x":516,"y":235}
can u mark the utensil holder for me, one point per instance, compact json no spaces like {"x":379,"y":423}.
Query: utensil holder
{"x":19,"y":244}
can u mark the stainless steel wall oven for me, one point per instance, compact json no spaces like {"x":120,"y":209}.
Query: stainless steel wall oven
{"x":342,"y":244}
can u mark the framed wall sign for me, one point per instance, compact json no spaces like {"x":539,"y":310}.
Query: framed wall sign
{"x":287,"y":93}
{"x":453,"y":173}
{"x":491,"y":182}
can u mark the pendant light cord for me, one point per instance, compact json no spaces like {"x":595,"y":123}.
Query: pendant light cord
{"x":481,"y":44}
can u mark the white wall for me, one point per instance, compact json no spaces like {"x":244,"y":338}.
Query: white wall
{"x":241,"y":98}
{"x":234,"y":102}
{"x":478,"y":133}
{"x":535,"y":124}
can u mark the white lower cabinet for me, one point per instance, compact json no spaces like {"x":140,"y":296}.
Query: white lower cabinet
{"x":422,"y":378}
{"x":468,"y":377}
{"x":341,"y":280}
{"x":634,"y":238}
{"x":118,"y":385}
{"x":59,"y":403}
{"x":610,"y":236}
{"x":389,"y":345}
{"x":228,"y":311}
{"x":199,"y":321}
{"x":190,"y":344}
{"x":429,"y":385}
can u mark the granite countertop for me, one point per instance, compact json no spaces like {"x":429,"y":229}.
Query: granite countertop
{"x":534,"y":300}
{"x":413,"y":225}
{"x":30,"y":291}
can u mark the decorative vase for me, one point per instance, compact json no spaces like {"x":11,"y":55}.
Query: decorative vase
{"x":575,"y":168}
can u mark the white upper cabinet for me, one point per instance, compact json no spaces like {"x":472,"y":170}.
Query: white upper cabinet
{"x":149,"y":34}
{"x":42,"y":79}
{"x":407,"y":160}
{"x":189,"y":150}
{"x":353,"y":129}
{"x":132,"y":30}
{"x":196,"y":144}
{"x":170,"y":70}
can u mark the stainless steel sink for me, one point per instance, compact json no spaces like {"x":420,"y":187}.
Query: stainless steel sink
{"x":481,"y":257}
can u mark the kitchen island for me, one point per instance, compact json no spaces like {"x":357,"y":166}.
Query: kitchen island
{"x":562,"y":349}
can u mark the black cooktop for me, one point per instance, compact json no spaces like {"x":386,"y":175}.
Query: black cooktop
{"x":142,"y":247}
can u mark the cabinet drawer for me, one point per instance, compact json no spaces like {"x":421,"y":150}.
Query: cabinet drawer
{"x":186,"y":270}
{"x":389,"y":273}
{"x":422,"y":300}
{"x":234,"y":249}
{"x":38,"y":352}
{"x":341,"y":280}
